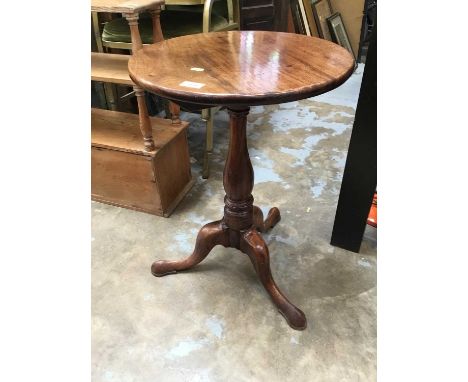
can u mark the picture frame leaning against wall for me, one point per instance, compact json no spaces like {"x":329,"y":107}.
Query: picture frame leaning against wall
{"x":322,"y":9}
{"x":338,"y":32}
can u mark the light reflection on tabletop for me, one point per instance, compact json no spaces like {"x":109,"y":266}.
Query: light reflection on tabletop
{"x":246,"y":64}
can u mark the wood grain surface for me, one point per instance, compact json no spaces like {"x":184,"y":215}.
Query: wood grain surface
{"x":241,"y":67}
{"x":125,"y":174}
{"x":110,"y":68}
{"x":119,"y":131}
{"x":123,"y":6}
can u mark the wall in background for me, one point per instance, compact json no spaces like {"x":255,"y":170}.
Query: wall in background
{"x":351,"y":13}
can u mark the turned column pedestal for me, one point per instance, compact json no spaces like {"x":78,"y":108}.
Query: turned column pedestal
{"x":241,"y":224}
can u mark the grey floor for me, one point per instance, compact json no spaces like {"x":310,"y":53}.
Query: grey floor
{"x":216,"y":323}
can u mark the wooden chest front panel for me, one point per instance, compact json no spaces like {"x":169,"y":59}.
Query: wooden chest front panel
{"x":124,"y":179}
{"x":172,"y":169}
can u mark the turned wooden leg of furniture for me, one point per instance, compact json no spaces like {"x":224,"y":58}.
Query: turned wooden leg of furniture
{"x":132,"y":19}
{"x":156,"y":21}
{"x":238,"y":228}
{"x":145,"y":123}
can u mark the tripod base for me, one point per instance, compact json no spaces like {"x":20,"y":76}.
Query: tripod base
{"x":241,"y":224}
{"x":249,"y":242}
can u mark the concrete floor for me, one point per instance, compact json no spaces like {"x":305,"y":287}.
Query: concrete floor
{"x":216,"y":323}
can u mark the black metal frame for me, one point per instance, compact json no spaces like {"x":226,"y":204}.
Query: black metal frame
{"x":369,"y":14}
{"x":360,"y":175}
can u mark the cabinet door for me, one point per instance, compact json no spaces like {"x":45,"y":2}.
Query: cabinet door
{"x":270,"y":15}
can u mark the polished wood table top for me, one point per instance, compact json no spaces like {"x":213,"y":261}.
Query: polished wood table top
{"x":247,"y":67}
{"x":238,"y":70}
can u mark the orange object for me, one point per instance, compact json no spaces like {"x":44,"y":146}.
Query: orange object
{"x":372,"y":218}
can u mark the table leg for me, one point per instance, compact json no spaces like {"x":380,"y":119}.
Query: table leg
{"x":241,"y":223}
{"x":254,"y":246}
{"x":210,"y":235}
{"x":272,"y":219}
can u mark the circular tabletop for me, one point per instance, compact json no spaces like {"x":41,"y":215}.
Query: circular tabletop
{"x":241,"y":68}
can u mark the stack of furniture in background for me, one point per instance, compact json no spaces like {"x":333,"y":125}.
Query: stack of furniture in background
{"x":267,"y":15}
{"x":138,"y":162}
{"x":351,"y":19}
{"x":334,"y":20}
{"x":180,"y":18}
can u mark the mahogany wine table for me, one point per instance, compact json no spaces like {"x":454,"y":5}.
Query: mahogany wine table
{"x":238,"y":70}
